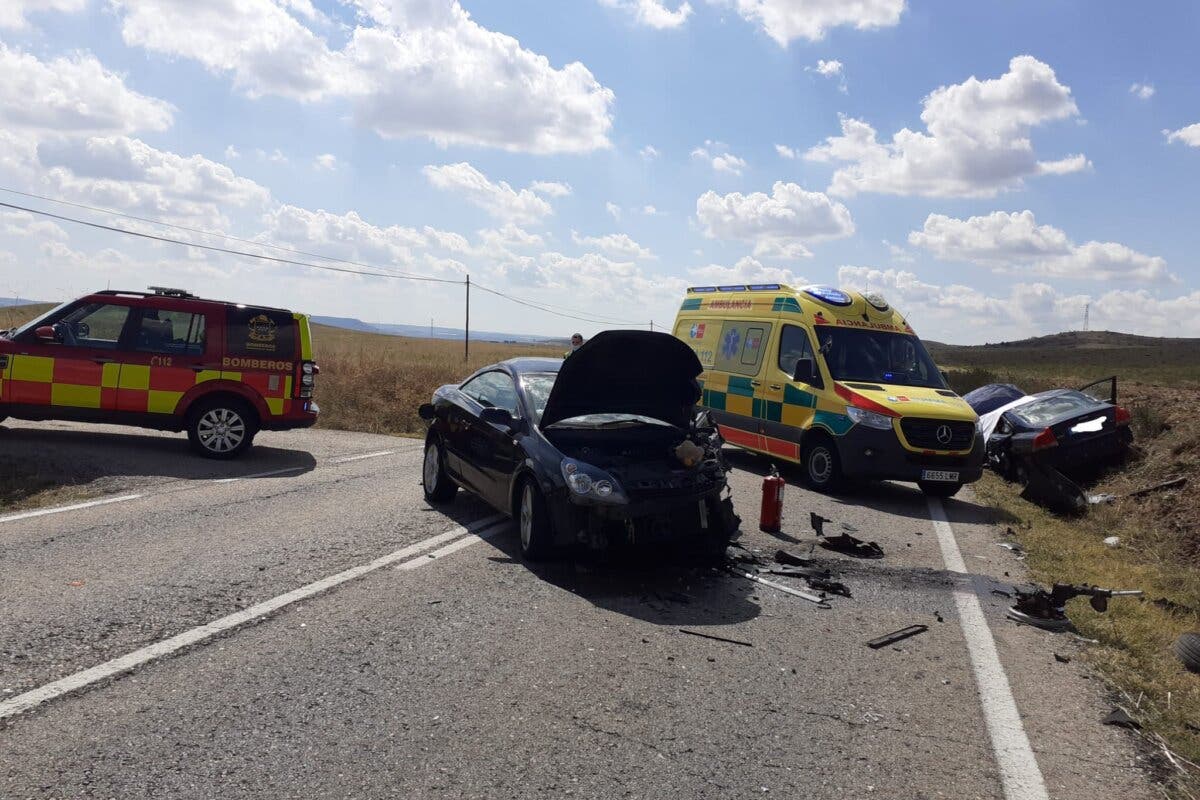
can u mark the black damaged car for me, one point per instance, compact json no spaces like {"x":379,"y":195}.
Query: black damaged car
{"x":604,"y":448}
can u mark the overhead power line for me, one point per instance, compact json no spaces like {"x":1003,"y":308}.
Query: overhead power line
{"x":364,"y":269}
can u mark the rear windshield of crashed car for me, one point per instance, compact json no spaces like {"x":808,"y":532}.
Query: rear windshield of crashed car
{"x":1040,"y":412}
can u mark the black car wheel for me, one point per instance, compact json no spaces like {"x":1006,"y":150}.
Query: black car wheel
{"x":821,"y":466}
{"x":533,"y":522}
{"x":437,"y":484}
{"x":940,"y":488}
{"x":221,"y":428}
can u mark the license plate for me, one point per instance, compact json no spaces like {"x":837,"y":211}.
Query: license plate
{"x":939,"y":475}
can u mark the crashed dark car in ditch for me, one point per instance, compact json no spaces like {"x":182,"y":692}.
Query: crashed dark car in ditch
{"x":604,"y":448}
{"x":1051,"y":439}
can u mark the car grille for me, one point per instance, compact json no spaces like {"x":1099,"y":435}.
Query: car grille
{"x":923,"y":433}
{"x":669,"y":486}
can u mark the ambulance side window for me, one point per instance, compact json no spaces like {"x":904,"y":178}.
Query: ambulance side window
{"x":171,"y":332}
{"x":793,"y":346}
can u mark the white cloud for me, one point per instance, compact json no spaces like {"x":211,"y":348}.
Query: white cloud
{"x":898,"y":253}
{"x":719,"y":158}
{"x":977,"y":142}
{"x":21,"y":223}
{"x":551,"y":188}
{"x":1028,"y":309}
{"x":1189,"y":135}
{"x":746,"y":270}
{"x":829,"y":68}
{"x":613,"y":209}
{"x":784,"y":151}
{"x":778,"y":225}
{"x":347,"y":236}
{"x":276,"y":156}
{"x":73,"y":95}
{"x":410,"y":68}
{"x":1142,"y":91}
{"x":15,"y":13}
{"x":650,"y":211}
{"x":649,"y":152}
{"x":785,"y":20}
{"x":231,"y":153}
{"x":1014,"y":242}
{"x":130,"y":175}
{"x":653,"y":13}
{"x":326,"y":161}
{"x":498,"y":199}
{"x":618,"y":245}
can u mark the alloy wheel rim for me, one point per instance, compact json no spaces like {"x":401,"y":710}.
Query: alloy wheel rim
{"x":526,"y":517}
{"x":221,"y":430}
{"x":819,"y":465}
{"x":431,"y":467}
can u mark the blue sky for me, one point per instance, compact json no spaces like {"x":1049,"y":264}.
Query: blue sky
{"x":992,"y":167}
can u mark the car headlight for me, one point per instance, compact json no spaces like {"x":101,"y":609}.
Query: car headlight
{"x":869,"y":418}
{"x":591,"y":483}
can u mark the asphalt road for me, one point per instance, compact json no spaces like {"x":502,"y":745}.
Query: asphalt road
{"x":446,"y":668}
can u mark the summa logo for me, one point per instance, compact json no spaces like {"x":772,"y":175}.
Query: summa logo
{"x":944,"y":434}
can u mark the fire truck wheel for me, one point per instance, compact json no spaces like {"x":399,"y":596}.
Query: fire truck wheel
{"x":221,"y":428}
{"x":437,"y":484}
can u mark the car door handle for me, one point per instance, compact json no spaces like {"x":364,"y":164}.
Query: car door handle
{"x":777,"y":387}
{"x":756,"y":383}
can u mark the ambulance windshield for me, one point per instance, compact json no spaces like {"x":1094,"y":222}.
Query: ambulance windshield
{"x":878,"y":357}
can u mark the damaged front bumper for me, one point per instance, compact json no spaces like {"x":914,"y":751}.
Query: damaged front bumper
{"x":704,"y":518}
{"x":868,"y":453}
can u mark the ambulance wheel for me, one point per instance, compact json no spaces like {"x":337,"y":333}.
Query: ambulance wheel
{"x":533,"y":522}
{"x":437,"y":484}
{"x":820,"y":465}
{"x":221,"y":428}
{"x":940,"y":488}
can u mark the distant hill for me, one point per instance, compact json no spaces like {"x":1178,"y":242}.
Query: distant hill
{"x":425,"y":332}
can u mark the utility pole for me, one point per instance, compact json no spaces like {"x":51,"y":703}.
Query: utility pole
{"x":431,"y":327}
{"x":1087,"y":307}
{"x":651,"y":326}
{"x":467,"y":326}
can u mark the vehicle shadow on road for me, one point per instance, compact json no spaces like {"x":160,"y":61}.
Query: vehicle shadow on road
{"x":662,"y":586}
{"x":74,"y":457}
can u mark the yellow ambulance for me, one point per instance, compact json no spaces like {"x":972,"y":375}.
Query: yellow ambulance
{"x":833,"y":380}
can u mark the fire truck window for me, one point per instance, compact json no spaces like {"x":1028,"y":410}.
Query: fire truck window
{"x":97,"y":325}
{"x":172,"y":332}
{"x":260,"y":332}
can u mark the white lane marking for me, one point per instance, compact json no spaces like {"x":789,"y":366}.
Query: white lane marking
{"x":41,"y":512}
{"x":1020,"y":776}
{"x":258,"y":475}
{"x":453,"y":547}
{"x":344,"y":459}
{"x":35,"y":697}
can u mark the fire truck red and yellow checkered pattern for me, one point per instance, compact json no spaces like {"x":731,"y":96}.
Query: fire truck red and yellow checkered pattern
{"x":78,"y":383}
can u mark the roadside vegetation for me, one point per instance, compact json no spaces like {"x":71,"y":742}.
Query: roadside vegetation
{"x":1158,"y":548}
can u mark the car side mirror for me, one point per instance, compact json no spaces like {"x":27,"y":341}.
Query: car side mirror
{"x":45,"y":333}
{"x":805,"y":371}
{"x":498,"y":416}
{"x":427,"y":412}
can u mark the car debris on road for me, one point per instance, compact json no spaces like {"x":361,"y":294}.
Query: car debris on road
{"x":716,"y":638}
{"x":897,"y":636}
{"x":1047,"y":609}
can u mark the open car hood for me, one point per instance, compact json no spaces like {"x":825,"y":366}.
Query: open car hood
{"x":627,"y":372}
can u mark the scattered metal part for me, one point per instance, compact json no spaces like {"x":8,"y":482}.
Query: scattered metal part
{"x":1172,"y":606}
{"x":1047,"y":610}
{"x":1112,"y":541}
{"x":1016,"y":548}
{"x":715,"y":638}
{"x":817,"y":522}
{"x":1173,"y":483}
{"x":784,"y":557}
{"x":1120,"y":717}
{"x":812,"y":598}
{"x":1051,"y":489}
{"x":1001,"y":592}
{"x":1062,"y":659}
{"x":827,"y":585}
{"x":897,"y":636}
{"x":851,"y":546}
{"x":1098,"y":499}
{"x":798,"y":572}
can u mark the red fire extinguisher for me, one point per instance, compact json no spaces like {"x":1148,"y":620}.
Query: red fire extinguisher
{"x":771,"y":515}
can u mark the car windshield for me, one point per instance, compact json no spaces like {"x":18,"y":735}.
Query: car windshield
{"x":1042,"y":412}
{"x":878,"y":357}
{"x":537,"y":386}
{"x":36,"y":321}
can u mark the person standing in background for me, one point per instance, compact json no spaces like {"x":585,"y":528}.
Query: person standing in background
{"x":576,"y":343}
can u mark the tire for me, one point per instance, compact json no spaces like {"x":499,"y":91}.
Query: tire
{"x":438,"y":486}
{"x":820,"y":466}
{"x":533,"y":522}
{"x":1187,"y":650}
{"x":940,"y":488}
{"x":221,"y":428}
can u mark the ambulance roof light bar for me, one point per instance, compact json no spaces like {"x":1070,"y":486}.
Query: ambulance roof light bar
{"x":752,"y":287}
